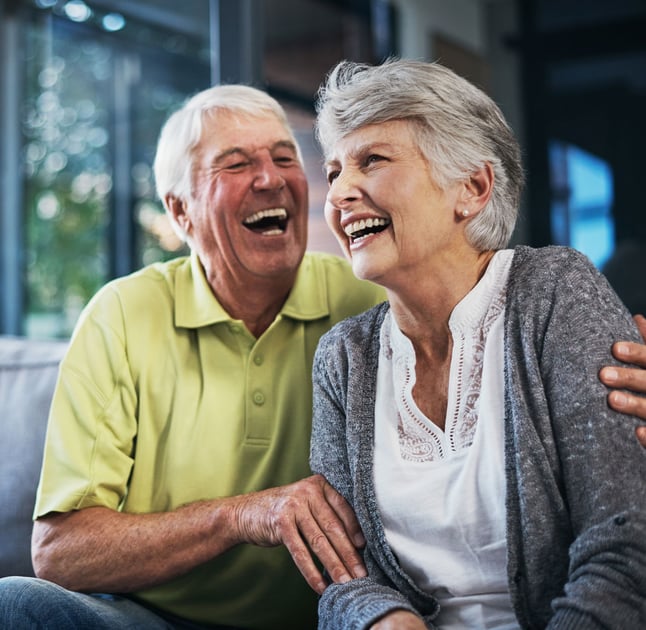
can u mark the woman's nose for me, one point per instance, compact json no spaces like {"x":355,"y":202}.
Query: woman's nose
{"x":343,"y":190}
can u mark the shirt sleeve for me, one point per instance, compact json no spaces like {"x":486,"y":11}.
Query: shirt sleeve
{"x":592,"y":480}
{"x":92,"y":426}
{"x":359,"y":603}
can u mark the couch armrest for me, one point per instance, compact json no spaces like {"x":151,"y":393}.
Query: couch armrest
{"x":28,"y":373}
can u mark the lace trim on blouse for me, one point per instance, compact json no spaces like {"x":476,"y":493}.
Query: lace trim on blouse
{"x":421,"y":440}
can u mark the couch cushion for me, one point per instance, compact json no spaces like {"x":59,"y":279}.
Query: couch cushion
{"x":28,"y":372}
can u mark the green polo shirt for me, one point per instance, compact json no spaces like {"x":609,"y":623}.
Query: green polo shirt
{"x":163,"y":399}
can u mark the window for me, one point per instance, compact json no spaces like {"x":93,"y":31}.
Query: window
{"x":96,"y":87}
{"x":87,"y":85}
{"x":582,"y":199}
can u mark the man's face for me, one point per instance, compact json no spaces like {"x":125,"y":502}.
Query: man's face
{"x":247,"y":215}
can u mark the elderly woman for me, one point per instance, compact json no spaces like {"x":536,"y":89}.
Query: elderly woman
{"x":464,"y":419}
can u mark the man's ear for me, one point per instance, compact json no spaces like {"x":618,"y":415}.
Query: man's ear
{"x":177,"y":209}
{"x":476,"y":191}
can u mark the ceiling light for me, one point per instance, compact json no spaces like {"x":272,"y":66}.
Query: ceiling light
{"x":113,"y":22}
{"x":77,"y":11}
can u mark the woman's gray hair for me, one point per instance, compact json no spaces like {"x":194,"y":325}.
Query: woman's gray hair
{"x":457,"y":127}
{"x":182,"y":132}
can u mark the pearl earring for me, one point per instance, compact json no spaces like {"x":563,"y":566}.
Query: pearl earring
{"x":465,"y":213}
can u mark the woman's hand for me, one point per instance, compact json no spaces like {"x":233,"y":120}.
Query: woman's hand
{"x":633,"y":379}
{"x":399,"y":620}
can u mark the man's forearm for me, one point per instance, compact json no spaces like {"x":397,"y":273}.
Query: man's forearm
{"x":98,"y":549}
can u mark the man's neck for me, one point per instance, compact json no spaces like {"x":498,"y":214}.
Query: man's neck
{"x":256,"y":302}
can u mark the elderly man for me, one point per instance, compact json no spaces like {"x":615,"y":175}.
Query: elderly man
{"x":181,"y":423}
{"x":175,"y":469}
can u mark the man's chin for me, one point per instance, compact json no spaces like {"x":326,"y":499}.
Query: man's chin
{"x":279,"y":263}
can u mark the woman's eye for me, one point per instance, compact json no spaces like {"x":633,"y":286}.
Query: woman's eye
{"x":331,"y":176}
{"x":371,"y":159}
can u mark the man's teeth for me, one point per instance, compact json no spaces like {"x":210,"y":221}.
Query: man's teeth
{"x":277,"y":213}
{"x":355,"y":228}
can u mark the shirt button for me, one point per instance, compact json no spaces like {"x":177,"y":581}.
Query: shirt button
{"x":258,"y":359}
{"x":234,"y":328}
{"x":258,"y":398}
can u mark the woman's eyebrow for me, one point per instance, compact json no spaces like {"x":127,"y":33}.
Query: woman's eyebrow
{"x":330,"y":163}
{"x":361,"y":150}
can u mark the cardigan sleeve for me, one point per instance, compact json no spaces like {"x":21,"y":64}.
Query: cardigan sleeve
{"x":576,"y":458}
{"x":358,"y":604}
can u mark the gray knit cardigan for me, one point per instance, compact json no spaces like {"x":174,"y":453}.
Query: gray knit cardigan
{"x":575,"y":473}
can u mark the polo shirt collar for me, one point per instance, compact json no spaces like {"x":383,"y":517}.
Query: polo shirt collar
{"x":196,"y":306}
{"x":308,"y":299}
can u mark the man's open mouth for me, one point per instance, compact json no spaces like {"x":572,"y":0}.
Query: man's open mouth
{"x":269,"y":222}
{"x":364,"y":227}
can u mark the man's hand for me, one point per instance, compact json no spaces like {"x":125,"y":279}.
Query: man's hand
{"x":102,"y":550}
{"x":306,"y":516}
{"x":633,"y":379}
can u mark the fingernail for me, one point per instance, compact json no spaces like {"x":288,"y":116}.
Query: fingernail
{"x":610,"y":374}
{"x":622,"y":348}
{"x":359,"y":540}
{"x":619,"y":399}
{"x":360,"y":571}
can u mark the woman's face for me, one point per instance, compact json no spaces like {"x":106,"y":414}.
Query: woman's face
{"x":390,"y":217}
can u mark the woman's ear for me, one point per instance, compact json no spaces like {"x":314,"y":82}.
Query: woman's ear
{"x":177,"y":209}
{"x":476,"y":191}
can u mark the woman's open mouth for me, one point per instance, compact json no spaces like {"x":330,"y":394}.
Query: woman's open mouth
{"x":365,"y":227}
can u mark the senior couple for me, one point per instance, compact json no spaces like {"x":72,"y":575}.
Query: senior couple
{"x":471,"y":470}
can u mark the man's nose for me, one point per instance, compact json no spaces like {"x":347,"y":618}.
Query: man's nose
{"x":268,"y":175}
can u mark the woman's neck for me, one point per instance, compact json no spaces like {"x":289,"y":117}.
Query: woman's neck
{"x":422,"y":307}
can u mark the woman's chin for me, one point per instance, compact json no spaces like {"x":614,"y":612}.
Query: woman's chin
{"x":365,"y":271}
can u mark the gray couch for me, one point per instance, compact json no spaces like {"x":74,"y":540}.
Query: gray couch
{"x":28,"y":372}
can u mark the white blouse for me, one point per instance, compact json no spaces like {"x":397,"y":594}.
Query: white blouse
{"x":441,"y":494}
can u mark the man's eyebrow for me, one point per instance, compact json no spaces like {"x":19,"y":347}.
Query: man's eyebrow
{"x":281,"y":144}
{"x":228,"y":152}
{"x":285,"y":144}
